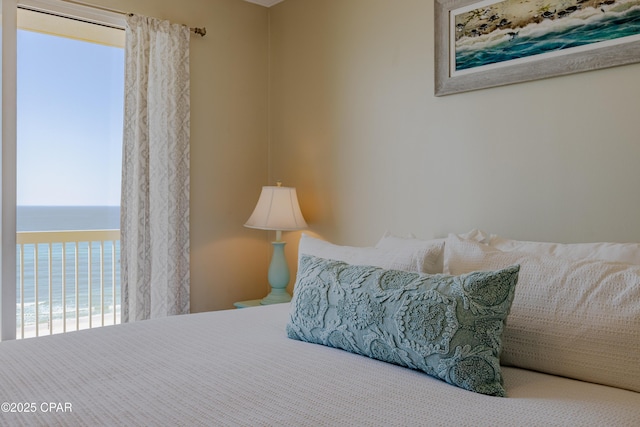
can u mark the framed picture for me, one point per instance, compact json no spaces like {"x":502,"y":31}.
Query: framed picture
{"x":480,"y":44}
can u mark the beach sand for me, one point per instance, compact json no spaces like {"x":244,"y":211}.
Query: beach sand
{"x":72,"y":325}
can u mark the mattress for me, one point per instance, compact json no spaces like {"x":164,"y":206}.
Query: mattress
{"x":238,"y":368}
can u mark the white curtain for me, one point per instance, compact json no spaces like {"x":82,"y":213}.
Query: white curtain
{"x":155,"y":173}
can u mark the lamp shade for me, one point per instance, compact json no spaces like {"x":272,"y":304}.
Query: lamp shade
{"x":277,"y":209}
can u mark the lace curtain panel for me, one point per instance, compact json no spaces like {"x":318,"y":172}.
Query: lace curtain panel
{"x":155,"y":173}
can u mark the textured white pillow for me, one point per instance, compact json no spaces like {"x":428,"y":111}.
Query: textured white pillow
{"x":390,"y":242}
{"x":477,"y":236}
{"x":578,"y":319}
{"x":422,"y":259}
{"x":628,"y":253}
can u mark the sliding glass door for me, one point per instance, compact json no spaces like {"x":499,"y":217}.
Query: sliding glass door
{"x":61,"y":158}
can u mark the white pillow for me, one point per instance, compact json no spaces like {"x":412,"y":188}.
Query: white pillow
{"x":628,"y":253}
{"x":422,"y":259}
{"x":578,"y":319}
{"x":478,"y":236}
{"x":390,"y":242}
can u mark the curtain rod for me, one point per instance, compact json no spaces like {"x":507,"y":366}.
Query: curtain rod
{"x":201,"y":31}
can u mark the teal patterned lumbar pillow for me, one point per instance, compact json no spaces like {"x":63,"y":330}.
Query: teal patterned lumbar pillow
{"x":447,"y":326}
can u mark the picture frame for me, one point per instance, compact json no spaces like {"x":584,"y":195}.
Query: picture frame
{"x":479,"y":18}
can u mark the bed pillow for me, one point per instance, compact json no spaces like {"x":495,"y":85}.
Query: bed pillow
{"x":421,"y":259}
{"x":390,"y":242}
{"x":477,"y":235}
{"x":448,"y":327}
{"x":578,"y":319}
{"x":628,"y":253}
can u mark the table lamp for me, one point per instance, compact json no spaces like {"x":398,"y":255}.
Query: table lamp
{"x":277,"y":209}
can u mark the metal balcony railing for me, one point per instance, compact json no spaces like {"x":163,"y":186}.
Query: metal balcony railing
{"x":66,"y":281}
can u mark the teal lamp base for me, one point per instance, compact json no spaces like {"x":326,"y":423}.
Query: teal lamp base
{"x":278,"y":276}
{"x":276,"y":296}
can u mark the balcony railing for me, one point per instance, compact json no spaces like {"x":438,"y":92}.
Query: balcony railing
{"x":66,"y":281}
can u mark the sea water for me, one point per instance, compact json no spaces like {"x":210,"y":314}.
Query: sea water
{"x":576,"y":30}
{"x":65,"y":218}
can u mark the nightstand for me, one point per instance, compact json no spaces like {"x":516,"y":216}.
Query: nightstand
{"x":249,"y":303}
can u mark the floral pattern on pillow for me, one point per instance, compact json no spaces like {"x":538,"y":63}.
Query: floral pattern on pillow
{"x":449,"y":327}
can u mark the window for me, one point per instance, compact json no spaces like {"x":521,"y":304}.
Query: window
{"x":70,"y":76}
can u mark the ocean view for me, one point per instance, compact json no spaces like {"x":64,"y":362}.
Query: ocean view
{"x":56,"y":264}
{"x":60,"y":218}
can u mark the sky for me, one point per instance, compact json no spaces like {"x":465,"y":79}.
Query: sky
{"x":69,"y":130}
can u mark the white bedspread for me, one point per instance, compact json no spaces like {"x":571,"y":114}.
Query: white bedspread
{"x":238,"y":368}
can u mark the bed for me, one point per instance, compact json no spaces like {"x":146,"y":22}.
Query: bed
{"x":240,"y":367}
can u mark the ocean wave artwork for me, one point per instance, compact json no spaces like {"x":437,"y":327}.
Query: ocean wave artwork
{"x":515,"y":29}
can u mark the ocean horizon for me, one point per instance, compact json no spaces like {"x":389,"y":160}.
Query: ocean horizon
{"x":64,"y":218}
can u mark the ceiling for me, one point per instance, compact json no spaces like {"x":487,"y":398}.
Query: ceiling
{"x":266,"y":3}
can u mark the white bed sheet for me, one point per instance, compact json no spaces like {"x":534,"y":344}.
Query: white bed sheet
{"x":238,"y":368}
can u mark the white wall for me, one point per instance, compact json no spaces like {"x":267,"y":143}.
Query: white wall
{"x":355,"y":126}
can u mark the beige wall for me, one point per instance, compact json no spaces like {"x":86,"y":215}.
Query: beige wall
{"x":229,"y":90}
{"x":335,"y":97}
{"x":355,"y":126}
